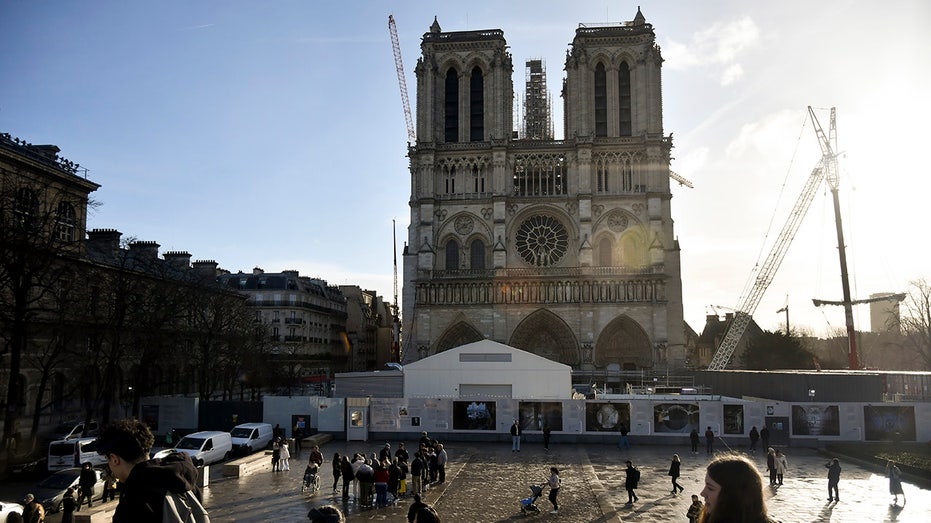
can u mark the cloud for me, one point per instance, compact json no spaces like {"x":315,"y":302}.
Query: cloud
{"x":719,"y":46}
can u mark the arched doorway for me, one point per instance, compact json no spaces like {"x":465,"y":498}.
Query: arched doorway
{"x":624,"y":343}
{"x":456,"y":335}
{"x":546,"y":334}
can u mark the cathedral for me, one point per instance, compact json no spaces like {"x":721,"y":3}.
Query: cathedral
{"x":562,"y":248}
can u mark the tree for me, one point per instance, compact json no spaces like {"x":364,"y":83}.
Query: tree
{"x":776,"y":350}
{"x":915,"y":322}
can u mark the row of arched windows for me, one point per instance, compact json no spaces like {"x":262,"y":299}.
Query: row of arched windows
{"x":476,"y":106}
{"x":476,"y":255}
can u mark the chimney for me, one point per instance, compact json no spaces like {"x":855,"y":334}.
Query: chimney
{"x":104,"y":240}
{"x":206,"y":268}
{"x":144,"y":249}
{"x":180,"y":260}
{"x":47,"y":151}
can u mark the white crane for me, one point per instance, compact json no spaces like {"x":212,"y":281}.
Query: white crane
{"x":402,"y":83}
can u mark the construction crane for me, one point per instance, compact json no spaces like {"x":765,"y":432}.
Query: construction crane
{"x":751,"y":300}
{"x":402,"y":83}
{"x":681,"y":179}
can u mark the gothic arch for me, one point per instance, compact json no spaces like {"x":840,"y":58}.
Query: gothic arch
{"x":624,"y":342}
{"x":458,"y":334}
{"x":546,"y":334}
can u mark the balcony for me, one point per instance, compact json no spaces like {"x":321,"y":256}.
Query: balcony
{"x":294,"y":321}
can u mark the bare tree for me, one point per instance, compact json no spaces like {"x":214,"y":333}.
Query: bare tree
{"x":916,"y":321}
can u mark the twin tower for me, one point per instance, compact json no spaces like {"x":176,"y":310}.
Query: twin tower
{"x":562,"y":248}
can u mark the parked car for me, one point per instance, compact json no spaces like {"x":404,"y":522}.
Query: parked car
{"x":250,"y":437}
{"x":7,"y":509}
{"x":204,"y":447}
{"x":51,"y":490}
{"x":75,"y":430}
{"x":69,"y":453}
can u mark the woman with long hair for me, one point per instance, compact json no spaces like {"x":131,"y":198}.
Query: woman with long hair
{"x":733,"y":492}
{"x":674,"y":472}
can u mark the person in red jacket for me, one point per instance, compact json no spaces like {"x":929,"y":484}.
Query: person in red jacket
{"x":382,"y":475}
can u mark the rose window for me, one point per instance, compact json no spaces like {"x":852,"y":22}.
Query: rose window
{"x":542,"y":241}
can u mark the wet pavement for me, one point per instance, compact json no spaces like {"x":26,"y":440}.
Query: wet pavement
{"x":485,"y":481}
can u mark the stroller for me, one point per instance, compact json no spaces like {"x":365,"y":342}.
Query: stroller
{"x":529,"y":504}
{"x":311,"y":479}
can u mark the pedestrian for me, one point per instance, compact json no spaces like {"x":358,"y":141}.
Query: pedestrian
{"x":895,"y":482}
{"x":782,"y":464}
{"x":284,"y":456}
{"x":276,"y":454}
{"x":674,"y":472}
{"x":771,"y":465}
{"x":764,"y":437}
{"x":326,"y":514}
{"x":695,"y":438}
{"x":694,"y":509}
{"x":515,"y":437}
{"x":754,"y":438}
{"x":415,"y":507}
{"x":394,"y":477}
{"x":546,"y":435}
{"x":625,"y":443}
{"x":733,"y":492}
{"x":709,"y":441}
{"x":554,"y":483}
{"x":170,"y":438}
{"x":417,"y":473}
{"x":630,"y":482}
{"x":441,"y":459}
{"x":146,"y":482}
{"x":337,"y":469}
{"x":366,"y":476}
{"x":110,"y":484}
{"x":833,"y":467}
{"x":433,"y":464}
{"x":381,"y":476}
{"x":33,"y":511}
{"x":298,"y":434}
{"x":402,"y":453}
{"x":385,"y":453}
{"x":426,"y":514}
{"x":86,"y":480}
{"x":345,"y":469}
{"x":425,"y":440}
{"x":68,"y":506}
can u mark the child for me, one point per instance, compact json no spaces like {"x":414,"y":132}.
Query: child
{"x":554,"y":483}
{"x":694,"y":510}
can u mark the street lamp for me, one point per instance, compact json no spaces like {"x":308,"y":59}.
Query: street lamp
{"x":811,"y":394}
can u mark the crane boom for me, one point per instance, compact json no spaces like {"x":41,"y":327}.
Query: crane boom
{"x":402,"y":83}
{"x":745,"y":310}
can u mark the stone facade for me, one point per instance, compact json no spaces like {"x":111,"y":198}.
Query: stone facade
{"x":562,"y":248}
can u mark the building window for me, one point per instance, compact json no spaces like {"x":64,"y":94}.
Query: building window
{"x":477,"y":253}
{"x":452,"y":255}
{"x":64,"y":222}
{"x":624,"y":111}
{"x":601,"y":100}
{"x":451,"y":181}
{"x":542,"y":241}
{"x":26,"y":209}
{"x":604,"y":253}
{"x":451,"y":106}
{"x":540,"y":175}
{"x":477,"y":106}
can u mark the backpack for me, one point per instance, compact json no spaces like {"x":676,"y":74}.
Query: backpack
{"x":635,"y":476}
{"x":183,"y":507}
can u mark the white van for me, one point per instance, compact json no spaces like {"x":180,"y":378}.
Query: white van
{"x":68,"y":453}
{"x":204,"y":447}
{"x":250,"y":437}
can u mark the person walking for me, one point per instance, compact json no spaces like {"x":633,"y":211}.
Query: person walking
{"x":782,"y":465}
{"x":709,"y":441}
{"x":285,"y":456}
{"x":337,"y":469}
{"x":895,"y":482}
{"x":754,"y":438}
{"x":554,"y":483}
{"x":733,"y":492}
{"x":631,"y":480}
{"x":833,"y":467}
{"x":695,"y":438}
{"x":86,"y":482}
{"x":694,"y":509}
{"x":515,"y":437}
{"x":771,"y":465}
{"x":674,"y":472}
{"x":625,"y":442}
{"x":68,"y":506}
{"x":764,"y":437}
{"x":546,"y":435}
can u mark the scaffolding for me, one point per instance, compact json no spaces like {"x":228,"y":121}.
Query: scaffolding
{"x":538,"y":125}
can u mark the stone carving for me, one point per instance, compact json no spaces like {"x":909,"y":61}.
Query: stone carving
{"x":464,"y":225}
{"x":617,"y":221}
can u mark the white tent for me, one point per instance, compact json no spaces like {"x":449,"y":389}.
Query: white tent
{"x":487,"y":369}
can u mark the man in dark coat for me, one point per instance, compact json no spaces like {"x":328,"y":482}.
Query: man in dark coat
{"x":709,"y":441}
{"x":86,"y":481}
{"x":631,"y":481}
{"x":764,"y":438}
{"x":126,"y":444}
{"x":833,"y":479}
{"x":754,"y":437}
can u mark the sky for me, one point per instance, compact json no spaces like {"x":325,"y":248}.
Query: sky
{"x":271,"y":134}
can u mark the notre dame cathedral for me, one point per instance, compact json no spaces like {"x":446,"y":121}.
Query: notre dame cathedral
{"x":563,"y":248}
